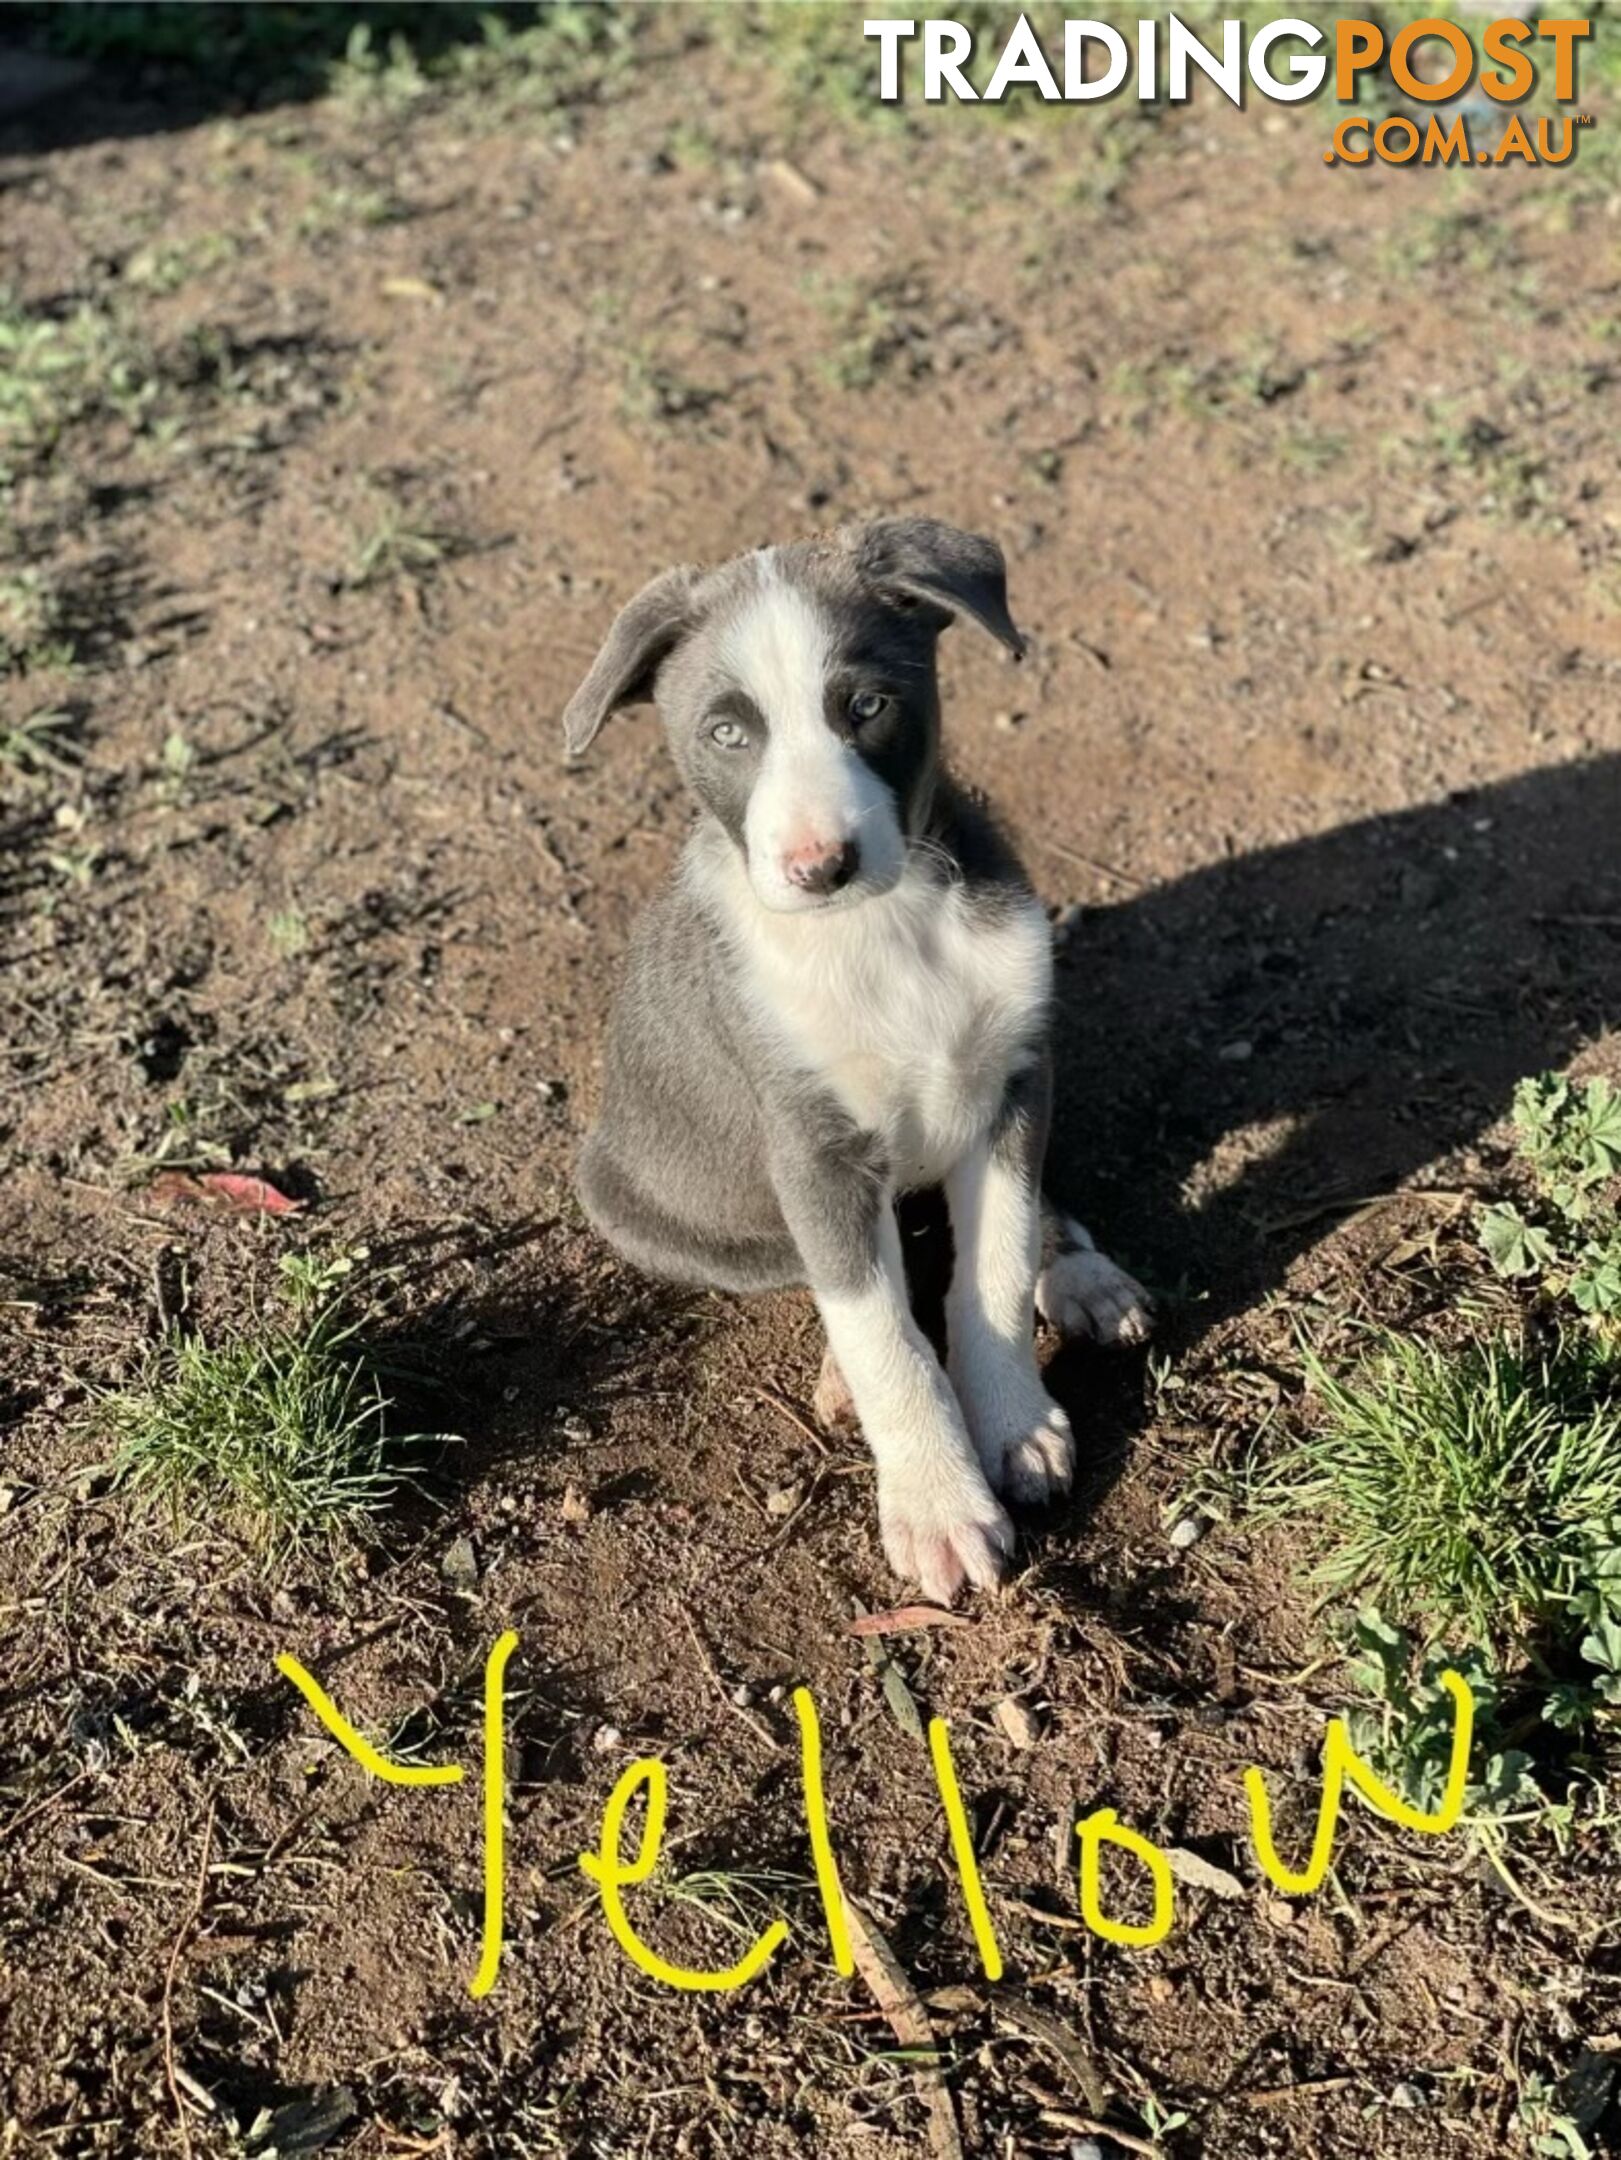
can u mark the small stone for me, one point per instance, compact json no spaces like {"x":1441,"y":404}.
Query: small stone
{"x":1278,"y":1913}
{"x":743,"y":1696}
{"x":1409,"y":2095}
{"x":783,"y":1499}
{"x":1236,"y":1053}
{"x":1159,"y":1988}
{"x":459,"y":1566}
{"x":576,"y":1507}
{"x":1018,"y":1721}
{"x":1187,"y":1532}
{"x":8,"y":1498}
{"x":606,"y":1738}
{"x":776,"y":1694}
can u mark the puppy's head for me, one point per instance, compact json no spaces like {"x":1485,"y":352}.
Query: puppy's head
{"x":797,"y":686}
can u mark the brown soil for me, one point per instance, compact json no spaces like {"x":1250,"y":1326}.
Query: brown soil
{"x":1307,"y":484}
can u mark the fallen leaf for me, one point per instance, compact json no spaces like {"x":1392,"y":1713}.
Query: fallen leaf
{"x":302,"y":2126}
{"x":1200,"y":1874}
{"x":1018,"y":1721}
{"x":1053,"y":2034}
{"x":904,"y":1618}
{"x":901,"y":2004}
{"x":412,"y":288}
{"x":222,"y":1188}
{"x":902,"y":1702}
{"x":793,"y":182}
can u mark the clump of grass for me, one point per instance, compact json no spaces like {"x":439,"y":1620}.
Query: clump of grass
{"x":283,"y":1426}
{"x":1469,"y":1485}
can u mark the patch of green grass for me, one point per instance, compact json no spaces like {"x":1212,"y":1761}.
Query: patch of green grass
{"x":33,"y":637}
{"x":282,"y":1426}
{"x":520,"y":61}
{"x":1465,"y":1485}
{"x":55,"y":370}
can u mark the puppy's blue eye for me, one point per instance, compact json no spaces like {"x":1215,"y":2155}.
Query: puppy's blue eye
{"x":729,"y":734}
{"x":867,"y":705}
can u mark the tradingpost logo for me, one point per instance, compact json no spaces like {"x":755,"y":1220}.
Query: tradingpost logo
{"x":1481,"y":72}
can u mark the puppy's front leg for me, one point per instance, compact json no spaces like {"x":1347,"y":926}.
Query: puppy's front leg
{"x":941,"y":1523}
{"x":994,"y":1193}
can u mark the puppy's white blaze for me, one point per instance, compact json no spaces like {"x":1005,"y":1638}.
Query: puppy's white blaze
{"x":812,"y":790}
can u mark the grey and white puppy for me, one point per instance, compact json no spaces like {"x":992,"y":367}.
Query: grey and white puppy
{"x":842,"y":995}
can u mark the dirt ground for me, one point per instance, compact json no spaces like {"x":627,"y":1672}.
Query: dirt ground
{"x":1307,"y":483}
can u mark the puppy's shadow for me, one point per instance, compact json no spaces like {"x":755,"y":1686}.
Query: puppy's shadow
{"x":1252,"y":1049}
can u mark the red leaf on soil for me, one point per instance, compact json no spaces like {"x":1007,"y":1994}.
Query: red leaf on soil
{"x":906,"y":1617}
{"x":228,"y":1188}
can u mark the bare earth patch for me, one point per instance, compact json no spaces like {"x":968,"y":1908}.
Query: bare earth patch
{"x":337,"y":432}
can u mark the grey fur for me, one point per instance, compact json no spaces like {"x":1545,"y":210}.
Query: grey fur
{"x":711,"y":1162}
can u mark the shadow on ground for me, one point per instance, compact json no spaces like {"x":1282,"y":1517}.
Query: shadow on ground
{"x":1355,"y":1006}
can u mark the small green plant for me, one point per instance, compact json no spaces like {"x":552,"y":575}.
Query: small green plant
{"x":289,"y":932}
{"x":282,"y":1425}
{"x":1404,"y":1732}
{"x":40,"y":746}
{"x":1550,"y":2130}
{"x":1569,"y":1135}
{"x":395,"y":546}
{"x":1468,"y":1484}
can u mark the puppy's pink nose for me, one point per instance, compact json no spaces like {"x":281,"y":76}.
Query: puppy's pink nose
{"x":820,"y":867}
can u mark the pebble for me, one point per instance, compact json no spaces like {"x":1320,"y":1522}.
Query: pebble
{"x":606,"y":1738}
{"x":1409,"y":2095}
{"x":1237,"y":1053}
{"x":1188,"y":1532}
{"x":459,"y":1566}
{"x":783,"y":1499}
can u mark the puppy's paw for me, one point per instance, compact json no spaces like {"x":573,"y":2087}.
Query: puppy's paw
{"x":833,"y":1403}
{"x":1021,"y":1436}
{"x":1082,"y":1293}
{"x":942,"y":1527}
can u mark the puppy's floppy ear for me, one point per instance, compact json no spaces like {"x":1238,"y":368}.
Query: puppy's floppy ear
{"x":644,"y":632}
{"x":927,"y":559}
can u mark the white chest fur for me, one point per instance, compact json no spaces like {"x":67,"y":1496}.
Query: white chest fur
{"x":914,"y":1008}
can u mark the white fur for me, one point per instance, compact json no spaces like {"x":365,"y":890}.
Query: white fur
{"x":1083,"y":1292}
{"x":910,"y":1009}
{"x":939,"y":1519}
{"x":813,"y":792}
{"x":1020,"y":1434}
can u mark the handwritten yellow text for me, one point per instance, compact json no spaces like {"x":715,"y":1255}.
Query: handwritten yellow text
{"x":613,"y":1872}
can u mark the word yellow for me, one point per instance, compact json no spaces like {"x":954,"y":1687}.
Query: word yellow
{"x":613,"y":1873}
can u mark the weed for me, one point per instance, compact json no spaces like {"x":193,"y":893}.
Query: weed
{"x":283,"y":1426}
{"x":394,"y":546}
{"x":1549,"y":2128}
{"x":39,"y":746}
{"x":1569,"y":1137}
{"x":1405,"y":1731}
{"x":32,"y":634}
{"x":1469,"y":1484}
{"x":57,"y":370}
